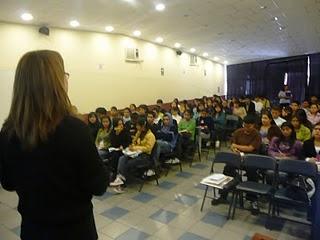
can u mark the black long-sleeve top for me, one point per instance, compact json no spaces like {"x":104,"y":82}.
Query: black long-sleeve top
{"x":123,"y":139}
{"x":56,"y":180}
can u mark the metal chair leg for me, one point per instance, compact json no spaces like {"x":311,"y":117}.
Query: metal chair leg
{"x":231,"y":204}
{"x":204,"y":197}
{"x":235,"y":204}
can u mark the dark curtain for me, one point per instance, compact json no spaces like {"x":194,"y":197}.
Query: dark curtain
{"x":297,"y":78}
{"x":267,"y":78}
{"x":314,"y":83}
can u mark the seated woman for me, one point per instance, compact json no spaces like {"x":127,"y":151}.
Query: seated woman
{"x":267,"y":129}
{"x":166,"y":135}
{"x":187,"y":129}
{"x":119,"y":139}
{"x":103,"y":137}
{"x":314,"y":114}
{"x":175,"y":114}
{"x":311,"y":147}
{"x":219,"y":120}
{"x":205,"y":123}
{"x":143,"y":142}
{"x":286,"y":146}
{"x":93,"y":124}
{"x":302,"y":132}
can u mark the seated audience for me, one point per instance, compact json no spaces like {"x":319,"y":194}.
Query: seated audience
{"x":268,"y":129}
{"x":101,"y":111}
{"x":314,"y":115}
{"x":276,"y":113}
{"x":143,"y":142}
{"x":258,"y":104}
{"x":311,"y":147}
{"x":219,"y":120}
{"x":120,"y":139}
{"x":187,"y":129}
{"x":142,"y":110}
{"x":286,"y":113}
{"x":286,"y":146}
{"x":151,"y":124}
{"x":306,"y":105}
{"x":175,"y":114}
{"x":205,"y":123}
{"x":265,"y":101}
{"x":249,"y":105}
{"x":131,"y":125}
{"x":126,"y":115}
{"x":103,"y":137}
{"x":113,"y":113}
{"x":133,"y":108}
{"x":94,"y":125}
{"x":210,"y":107}
{"x":302,"y":132}
{"x":167,"y":135}
{"x":239,"y":110}
{"x":225,"y":107}
{"x":158,"y":115}
{"x":295,"y":105}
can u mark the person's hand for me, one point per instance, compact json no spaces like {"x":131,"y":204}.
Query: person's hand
{"x":234,"y":148}
{"x":312,"y":160}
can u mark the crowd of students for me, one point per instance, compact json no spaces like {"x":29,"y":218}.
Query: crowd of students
{"x":286,"y":131}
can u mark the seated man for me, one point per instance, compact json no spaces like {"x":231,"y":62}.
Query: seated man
{"x":187,"y":129}
{"x":166,"y":135}
{"x":150,"y":121}
{"x":276,"y":113}
{"x":246,"y":140}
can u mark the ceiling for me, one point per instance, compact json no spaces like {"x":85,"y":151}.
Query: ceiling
{"x":233,"y":30}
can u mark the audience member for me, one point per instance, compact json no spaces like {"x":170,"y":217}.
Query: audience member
{"x":314,"y":115}
{"x":311,"y":147}
{"x":101,"y":111}
{"x":142,"y":110}
{"x":306,"y":105}
{"x":295,"y":105}
{"x":126,"y":115}
{"x":142,"y":143}
{"x":285,"y":96}
{"x":205,"y":124}
{"x":133,"y":108}
{"x":276,"y":113}
{"x":93,"y":124}
{"x":286,"y":146}
{"x":103,"y":137}
{"x":219,"y":120}
{"x":302,"y":132}
{"x":175,"y":114}
{"x":287,"y":113}
{"x":238,"y":110}
{"x":151,"y":124}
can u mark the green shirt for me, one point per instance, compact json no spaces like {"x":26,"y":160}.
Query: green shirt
{"x":190,"y":126}
{"x":303,"y":133}
{"x":103,"y":139}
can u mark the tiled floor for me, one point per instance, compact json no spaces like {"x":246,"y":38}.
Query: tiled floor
{"x":168,"y":211}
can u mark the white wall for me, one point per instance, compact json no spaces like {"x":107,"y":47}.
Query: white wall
{"x":117,"y":82}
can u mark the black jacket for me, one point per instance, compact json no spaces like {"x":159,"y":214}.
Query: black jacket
{"x":123,"y":139}
{"x":55,"y":182}
{"x":309,"y":149}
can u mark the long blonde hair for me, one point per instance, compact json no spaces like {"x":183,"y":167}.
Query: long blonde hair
{"x":40,"y":99}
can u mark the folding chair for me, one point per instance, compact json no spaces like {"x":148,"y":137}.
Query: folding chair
{"x":230,"y":159}
{"x":293,"y":168}
{"x":253,"y":161}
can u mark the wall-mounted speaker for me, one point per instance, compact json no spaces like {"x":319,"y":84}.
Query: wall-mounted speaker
{"x":44,"y":30}
{"x":178,"y":52}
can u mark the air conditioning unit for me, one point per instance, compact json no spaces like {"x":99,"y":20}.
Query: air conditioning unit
{"x":193,"y":60}
{"x":133,"y":55}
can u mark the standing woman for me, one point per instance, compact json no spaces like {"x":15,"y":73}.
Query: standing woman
{"x":47,"y":156}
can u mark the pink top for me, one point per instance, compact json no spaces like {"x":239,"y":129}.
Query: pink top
{"x":314,"y":119}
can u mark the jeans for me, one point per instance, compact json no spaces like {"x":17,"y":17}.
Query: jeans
{"x":162,"y":147}
{"x":125,"y":163}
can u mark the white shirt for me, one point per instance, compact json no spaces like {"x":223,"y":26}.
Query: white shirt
{"x":177,"y":118}
{"x":258,"y":106}
{"x":279,"y":121}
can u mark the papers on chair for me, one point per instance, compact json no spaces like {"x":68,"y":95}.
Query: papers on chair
{"x":216,"y":180}
{"x":131,"y":154}
{"x":112,"y":149}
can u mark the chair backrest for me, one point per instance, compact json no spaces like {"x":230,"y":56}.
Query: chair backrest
{"x":300,"y":167}
{"x":229,"y":158}
{"x":259,"y":162}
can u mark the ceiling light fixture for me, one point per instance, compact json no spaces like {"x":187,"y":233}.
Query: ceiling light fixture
{"x":137,"y":33}
{"x":109,"y":28}
{"x":275,"y":18}
{"x":263,"y":7}
{"x":160,"y":7}
{"x":281,"y":28}
{"x":159,"y":39}
{"x":26,"y":17}
{"x":192,"y":50}
{"x":74,"y":23}
{"x":205,"y":54}
{"x":177,"y":45}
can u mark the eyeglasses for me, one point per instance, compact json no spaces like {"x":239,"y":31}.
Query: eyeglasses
{"x":66,"y":75}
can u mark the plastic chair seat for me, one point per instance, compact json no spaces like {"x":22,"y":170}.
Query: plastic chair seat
{"x":255,"y":187}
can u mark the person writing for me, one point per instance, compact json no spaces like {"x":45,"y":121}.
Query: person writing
{"x":47,"y":155}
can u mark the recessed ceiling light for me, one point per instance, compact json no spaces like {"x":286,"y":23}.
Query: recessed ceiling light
{"x":74,"y":23}
{"x":177,"y":45}
{"x":192,"y":50}
{"x":281,"y":28}
{"x":137,"y":33}
{"x":109,"y":28}
{"x":263,"y":7}
{"x":205,"y":54}
{"x":275,"y":18}
{"x":159,"y":39}
{"x":225,"y":62}
{"x":215,"y":58}
{"x":26,"y":17}
{"x":160,"y":7}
